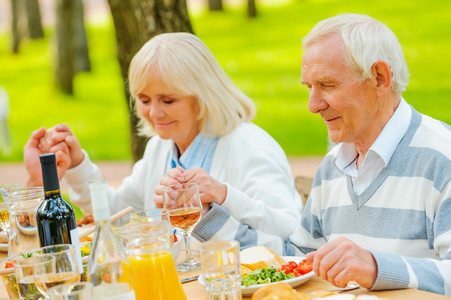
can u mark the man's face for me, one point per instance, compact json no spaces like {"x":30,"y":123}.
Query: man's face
{"x":346,"y":104}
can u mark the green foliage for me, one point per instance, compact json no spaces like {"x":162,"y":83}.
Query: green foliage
{"x":262,"y":56}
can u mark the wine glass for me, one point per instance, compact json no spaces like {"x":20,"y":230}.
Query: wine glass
{"x":25,"y":271}
{"x":72,"y":291}
{"x":149,"y":215}
{"x":185,"y":209}
{"x":65,"y":268}
{"x":5,"y":192}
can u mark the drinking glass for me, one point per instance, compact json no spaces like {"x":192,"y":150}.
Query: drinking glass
{"x":149,"y":215}
{"x":221,"y":269}
{"x":25,"y":270}
{"x":8,"y":189}
{"x":151,"y":264}
{"x":66,"y":267}
{"x":5,"y":192}
{"x":185,"y":209}
{"x":72,"y":291}
{"x":22,"y":206}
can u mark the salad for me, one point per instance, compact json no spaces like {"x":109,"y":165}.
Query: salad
{"x":267,"y":275}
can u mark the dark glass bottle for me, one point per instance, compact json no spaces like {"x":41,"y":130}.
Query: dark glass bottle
{"x":55,"y":217}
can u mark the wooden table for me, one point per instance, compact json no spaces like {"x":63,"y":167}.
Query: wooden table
{"x":196,"y":291}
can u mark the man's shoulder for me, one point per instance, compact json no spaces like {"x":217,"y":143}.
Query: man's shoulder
{"x":433,"y":134}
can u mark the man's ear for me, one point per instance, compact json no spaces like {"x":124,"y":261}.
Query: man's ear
{"x":382,"y":74}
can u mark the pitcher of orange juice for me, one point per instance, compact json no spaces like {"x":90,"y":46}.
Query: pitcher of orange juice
{"x":149,"y":254}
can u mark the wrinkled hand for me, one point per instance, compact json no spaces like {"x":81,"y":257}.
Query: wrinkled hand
{"x":210,"y":190}
{"x":33,"y":149}
{"x":175,"y":177}
{"x":341,"y":261}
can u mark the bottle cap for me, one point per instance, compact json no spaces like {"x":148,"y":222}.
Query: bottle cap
{"x":99,"y":198}
{"x":49,"y":172}
{"x":47,"y":158}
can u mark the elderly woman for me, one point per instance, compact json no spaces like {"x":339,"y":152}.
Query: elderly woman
{"x":201,"y":133}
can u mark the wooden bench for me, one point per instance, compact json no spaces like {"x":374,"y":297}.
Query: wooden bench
{"x":303,"y":186}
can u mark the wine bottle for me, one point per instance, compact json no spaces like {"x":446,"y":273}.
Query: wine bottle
{"x":55,"y":217}
{"x":108,"y":266}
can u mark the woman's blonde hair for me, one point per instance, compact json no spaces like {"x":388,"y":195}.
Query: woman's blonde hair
{"x":187,"y":66}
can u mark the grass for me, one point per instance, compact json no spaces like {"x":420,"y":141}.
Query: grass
{"x":262,"y":56}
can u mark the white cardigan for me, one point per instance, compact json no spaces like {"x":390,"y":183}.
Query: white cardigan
{"x":260,"y":186}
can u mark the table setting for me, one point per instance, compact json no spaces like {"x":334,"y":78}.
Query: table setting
{"x":164,"y":265}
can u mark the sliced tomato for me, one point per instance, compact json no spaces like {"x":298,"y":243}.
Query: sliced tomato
{"x":305,"y":266}
{"x":9,"y":264}
{"x":297,"y":272}
{"x":292,"y":265}
{"x":284,"y":268}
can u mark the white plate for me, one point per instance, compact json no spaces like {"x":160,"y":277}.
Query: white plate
{"x":294,"y":282}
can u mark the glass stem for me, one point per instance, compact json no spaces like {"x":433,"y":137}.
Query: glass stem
{"x":186,"y":237}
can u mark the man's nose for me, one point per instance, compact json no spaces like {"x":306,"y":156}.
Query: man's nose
{"x":316,"y":101}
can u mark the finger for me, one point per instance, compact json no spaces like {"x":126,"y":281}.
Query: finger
{"x":158,"y":199}
{"x":310,"y":256}
{"x":60,"y":147}
{"x":181,"y":169}
{"x":63,"y":128}
{"x":177,"y":174}
{"x":36,"y":135}
{"x":323,"y":259}
{"x":72,"y":142}
{"x":158,"y":190}
{"x":169,"y":181}
{"x":58,"y":137}
{"x":189,"y":175}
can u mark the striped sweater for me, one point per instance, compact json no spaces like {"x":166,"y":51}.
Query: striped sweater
{"x":403,"y":218}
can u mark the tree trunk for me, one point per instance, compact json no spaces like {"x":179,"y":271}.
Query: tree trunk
{"x":136,"y":21}
{"x":251,"y":9}
{"x":64,"y":29}
{"x":215,"y":5}
{"x":71,"y":44}
{"x":17,"y":24}
{"x":34,"y":19}
{"x":82,"y":62}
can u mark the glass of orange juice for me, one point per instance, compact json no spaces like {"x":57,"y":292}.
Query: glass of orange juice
{"x":149,"y":254}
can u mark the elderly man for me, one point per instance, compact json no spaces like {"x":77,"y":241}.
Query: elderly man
{"x":379,"y":212}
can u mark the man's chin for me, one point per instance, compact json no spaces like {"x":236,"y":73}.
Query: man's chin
{"x":335,"y":137}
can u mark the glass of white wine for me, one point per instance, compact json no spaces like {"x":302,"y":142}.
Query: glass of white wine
{"x":25,"y":270}
{"x":66,"y":268}
{"x":5,"y":192}
{"x":185,"y":210}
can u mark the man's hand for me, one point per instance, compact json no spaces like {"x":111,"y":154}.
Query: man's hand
{"x":31,"y":154}
{"x":341,"y":261}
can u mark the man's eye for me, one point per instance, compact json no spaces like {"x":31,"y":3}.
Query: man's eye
{"x":168,"y":101}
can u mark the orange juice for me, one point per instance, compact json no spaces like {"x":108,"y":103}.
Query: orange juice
{"x":155,"y":277}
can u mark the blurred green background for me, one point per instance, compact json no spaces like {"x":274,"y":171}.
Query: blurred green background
{"x":262,"y":56}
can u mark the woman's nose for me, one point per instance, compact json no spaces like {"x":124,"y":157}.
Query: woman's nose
{"x":156,"y":111}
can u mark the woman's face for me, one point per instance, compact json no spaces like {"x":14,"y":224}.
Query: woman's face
{"x":171,"y":115}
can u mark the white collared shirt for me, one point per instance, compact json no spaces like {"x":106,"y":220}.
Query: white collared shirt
{"x":378,"y":155}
